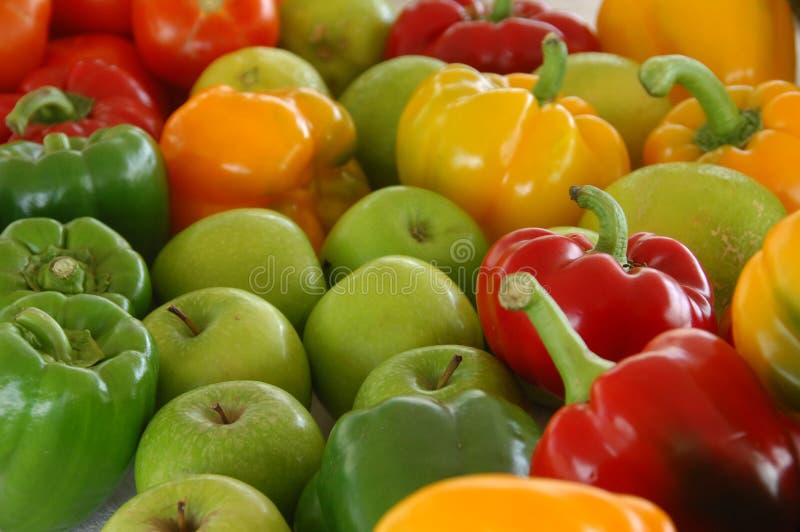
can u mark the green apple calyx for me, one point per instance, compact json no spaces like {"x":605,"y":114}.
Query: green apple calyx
{"x":448,"y":371}
{"x":185,"y":319}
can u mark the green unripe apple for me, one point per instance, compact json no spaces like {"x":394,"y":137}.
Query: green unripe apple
{"x":388,"y":305}
{"x":339,"y":38}
{"x":258,"y":250}
{"x":610,"y":83}
{"x":722,"y":215}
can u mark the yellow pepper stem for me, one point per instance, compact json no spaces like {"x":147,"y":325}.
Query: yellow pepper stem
{"x":726,"y":125}
{"x":613,"y":230}
{"x":576,"y":363}
{"x":554,"y":68}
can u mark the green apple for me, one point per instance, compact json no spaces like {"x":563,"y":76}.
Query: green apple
{"x":255,"y":68}
{"x":375,"y":101}
{"x":440,"y":372}
{"x":258,"y":250}
{"x":403,"y":220}
{"x":226,"y":334}
{"x":610,"y":83}
{"x":388,"y":305}
{"x":213,"y":503}
{"x":248,"y":430}
{"x":340,"y":39}
{"x":722,"y":215}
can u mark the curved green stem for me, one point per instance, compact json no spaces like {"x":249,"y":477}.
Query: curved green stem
{"x":55,"y":142}
{"x":726,"y":125}
{"x":613,"y":232}
{"x":47,"y":105}
{"x":553,"y":70}
{"x":576,"y":363}
{"x":63,"y":274}
{"x":501,"y":10}
{"x":47,"y":334}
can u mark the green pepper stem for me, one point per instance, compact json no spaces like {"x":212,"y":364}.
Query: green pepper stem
{"x":501,"y":10}
{"x":554,"y":68}
{"x":55,"y":142}
{"x":576,"y":363}
{"x":47,"y":333}
{"x":726,"y":123}
{"x":613,"y":232}
{"x":448,"y":371}
{"x":47,"y":105}
{"x":64,"y":274}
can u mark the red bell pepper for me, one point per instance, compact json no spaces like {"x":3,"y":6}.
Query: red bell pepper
{"x":78,"y":100}
{"x":684,"y":423}
{"x":504,"y":41}
{"x":617,"y":295}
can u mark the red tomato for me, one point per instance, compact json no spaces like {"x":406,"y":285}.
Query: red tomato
{"x":177,"y":39}
{"x":113,"y":49}
{"x":23,"y":34}
{"x":91,"y":16}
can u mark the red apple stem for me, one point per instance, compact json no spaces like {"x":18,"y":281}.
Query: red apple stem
{"x":218,"y":409}
{"x":184,"y":318}
{"x":182,"y":516}
{"x":448,"y":371}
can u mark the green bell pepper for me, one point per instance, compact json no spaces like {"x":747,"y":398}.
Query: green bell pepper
{"x":78,"y":385}
{"x":82,"y":256}
{"x":116,"y":175}
{"x":377,"y":456}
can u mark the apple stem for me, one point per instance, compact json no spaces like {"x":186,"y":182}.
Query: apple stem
{"x":218,"y":409}
{"x":182,"y":516}
{"x":184,"y":318}
{"x":448,"y":371}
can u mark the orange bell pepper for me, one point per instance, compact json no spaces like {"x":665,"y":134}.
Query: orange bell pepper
{"x":289,"y":150}
{"x":741,"y":41}
{"x":495,"y":502}
{"x":755,"y":130}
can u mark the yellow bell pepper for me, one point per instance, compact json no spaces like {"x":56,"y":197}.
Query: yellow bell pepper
{"x":765,"y":311}
{"x":741,"y":41}
{"x":503,"y":147}
{"x":289,"y":150}
{"x":755,"y":130}
{"x":495,"y":502}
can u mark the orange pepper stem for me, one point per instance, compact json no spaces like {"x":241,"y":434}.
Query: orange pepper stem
{"x":47,"y":105}
{"x":613,"y":230}
{"x":576,"y":363}
{"x":726,"y":125}
{"x":554,"y":67}
{"x":501,"y":10}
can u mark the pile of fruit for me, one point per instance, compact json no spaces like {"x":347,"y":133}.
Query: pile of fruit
{"x":533,"y":272}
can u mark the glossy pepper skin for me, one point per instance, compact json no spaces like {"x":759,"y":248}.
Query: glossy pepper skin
{"x":116,"y":175}
{"x":764,"y":312}
{"x":741,"y":41}
{"x":507,"y":39}
{"x":84,"y":256}
{"x":753,"y":129}
{"x":375,"y":457}
{"x":685,"y":423}
{"x":515,"y":169}
{"x":285,"y":149}
{"x":617,"y":295}
{"x":78,"y":100}
{"x":494,"y":502}
{"x":78,"y":386}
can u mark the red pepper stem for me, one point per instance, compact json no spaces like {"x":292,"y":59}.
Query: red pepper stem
{"x":47,"y":105}
{"x":576,"y":363}
{"x":613,"y":230}
{"x":501,"y":10}
{"x":554,"y":68}
{"x":726,"y":125}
